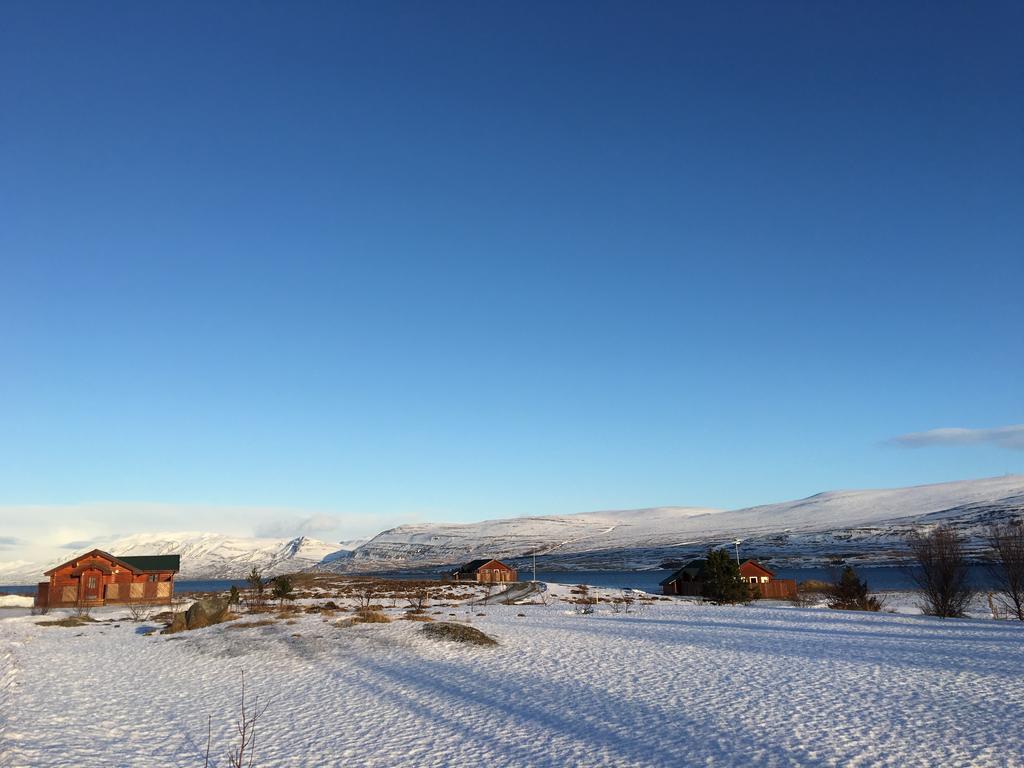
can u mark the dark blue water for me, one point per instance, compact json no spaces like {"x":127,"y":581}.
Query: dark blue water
{"x":878,"y":577}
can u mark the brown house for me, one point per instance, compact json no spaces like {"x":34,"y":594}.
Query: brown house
{"x":764,"y":582}
{"x":484,"y":572}
{"x":689,"y":581}
{"x":99,"y":578}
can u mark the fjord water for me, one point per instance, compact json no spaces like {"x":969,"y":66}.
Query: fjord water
{"x":878,"y":577}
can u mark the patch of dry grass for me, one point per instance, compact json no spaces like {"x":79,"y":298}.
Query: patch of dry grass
{"x":458,"y":633}
{"x":252,"y":624}
{"x":70,"y":621}
{"x":370,"y":617}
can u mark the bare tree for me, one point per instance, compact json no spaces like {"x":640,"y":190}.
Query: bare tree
{"x":365,"y":595}
{"x":1007,"y":566}
{"x":941,"y":571}
{"x":245,"y":726}
{"x":82,"y":606}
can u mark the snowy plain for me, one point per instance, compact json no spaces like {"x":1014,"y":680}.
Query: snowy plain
{"x":679,"y":684}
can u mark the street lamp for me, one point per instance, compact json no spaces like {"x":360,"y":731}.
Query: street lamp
{"x":737,"y":543}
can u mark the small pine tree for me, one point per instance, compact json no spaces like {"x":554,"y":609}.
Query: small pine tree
{"x":722,"y":581}
{"x":256,"y":589}
{"x":233,"y":597}
{"x":850,"y":593}
{"x":282,"y":589}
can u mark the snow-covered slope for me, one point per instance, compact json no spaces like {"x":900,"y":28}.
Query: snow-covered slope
{"x":865,"y":525}
{"x":426,"y":543}
{"x":203,"y":555}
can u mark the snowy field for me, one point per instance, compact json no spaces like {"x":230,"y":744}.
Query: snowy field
{"x":679,"y":684}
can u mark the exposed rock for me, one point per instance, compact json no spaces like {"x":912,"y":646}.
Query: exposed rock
{"x":202,"y":613}
{"x":177,"y":625}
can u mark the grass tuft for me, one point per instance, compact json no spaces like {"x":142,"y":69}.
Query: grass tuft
{"x":458,"y":633}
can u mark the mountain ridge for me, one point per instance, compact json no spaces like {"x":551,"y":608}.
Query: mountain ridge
{"x":867,"y":526}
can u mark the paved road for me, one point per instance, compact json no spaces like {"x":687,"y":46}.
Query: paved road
{"x":513,"y":594}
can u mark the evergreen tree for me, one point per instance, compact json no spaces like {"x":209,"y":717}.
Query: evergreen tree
{"x":282,"y":589}
{"x":256,"y":589}
{"x":850,"y":593}
{"x":722,"y":581}
{"x":233,"y":596}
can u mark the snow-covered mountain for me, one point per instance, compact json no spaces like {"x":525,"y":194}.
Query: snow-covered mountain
{"x":869,"y":526}
{"x":203,"y":555}
{"x":864,"y":525}
{"x":552,"y":536}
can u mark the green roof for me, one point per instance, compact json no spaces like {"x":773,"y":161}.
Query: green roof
{"x":154,"y":562}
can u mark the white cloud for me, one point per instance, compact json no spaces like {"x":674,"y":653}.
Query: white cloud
{"x":1011,"y":437}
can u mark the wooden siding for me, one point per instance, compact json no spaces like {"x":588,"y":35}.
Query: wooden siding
{"x":97,"y":580}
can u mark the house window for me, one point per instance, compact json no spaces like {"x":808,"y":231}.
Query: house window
{"x":153,"y":577}
{"x":92,"y":582}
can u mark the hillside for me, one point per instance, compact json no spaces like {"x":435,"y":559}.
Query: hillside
{"x":864,"y":526}
{"x":203,"y":555}
{"x":870,"y":525}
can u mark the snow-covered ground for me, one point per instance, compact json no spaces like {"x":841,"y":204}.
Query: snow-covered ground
{"x":678,"y":684}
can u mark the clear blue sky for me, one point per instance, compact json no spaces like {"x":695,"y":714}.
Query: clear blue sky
{"x":471,"y":260}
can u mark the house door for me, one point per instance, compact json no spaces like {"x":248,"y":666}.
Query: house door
{"x":91,"y":586}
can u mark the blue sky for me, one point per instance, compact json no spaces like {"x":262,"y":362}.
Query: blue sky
{"x":453,"y":261}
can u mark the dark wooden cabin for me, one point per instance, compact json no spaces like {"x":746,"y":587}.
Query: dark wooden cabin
{"x":484,"y":572}
{"x":689,"y":581}
{"x":99,"y":578}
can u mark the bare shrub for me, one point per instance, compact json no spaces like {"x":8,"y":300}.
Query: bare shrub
{"x":624,"y":602}
{"x":419,"y":600}
{"x":584,"y":604}
{"x":365,"y":595}
{"x":1006,"y":543}
{"x":82,"y":608}
{"x":139,"y":609}
{"x":942,"y":571}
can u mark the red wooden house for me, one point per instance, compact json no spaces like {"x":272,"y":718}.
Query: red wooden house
{"x":764,"y":581}
{"x":99,"y":578}
{"x":484,"y":572}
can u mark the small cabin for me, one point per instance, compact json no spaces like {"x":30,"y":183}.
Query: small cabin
{"x":764,"y":582}
{"x":99,"y":578}
{"x":689,"y":581}
{"x":484,"y":572}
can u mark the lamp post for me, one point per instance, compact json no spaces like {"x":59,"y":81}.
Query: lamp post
{"x":736,"y":543}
